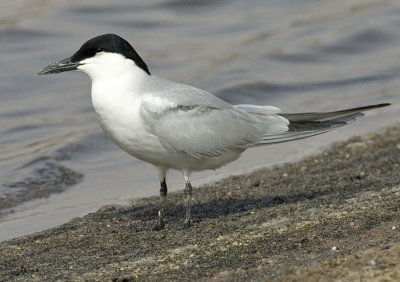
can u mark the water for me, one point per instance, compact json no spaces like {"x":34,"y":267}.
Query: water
{"x":303,"y":55}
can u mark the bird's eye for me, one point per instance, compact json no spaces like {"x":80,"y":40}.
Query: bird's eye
{"x":99,"y":50}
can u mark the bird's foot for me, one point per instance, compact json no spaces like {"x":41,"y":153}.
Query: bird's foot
{"x":160,"y":225}
{"x":188,"y":223}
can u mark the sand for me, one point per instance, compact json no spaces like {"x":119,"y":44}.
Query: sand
{"x":331,"y":216}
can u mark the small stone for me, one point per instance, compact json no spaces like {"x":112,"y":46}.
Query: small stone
{"x":372,"y":262}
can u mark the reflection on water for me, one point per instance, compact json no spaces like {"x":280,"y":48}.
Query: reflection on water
{"x":303,"y":55}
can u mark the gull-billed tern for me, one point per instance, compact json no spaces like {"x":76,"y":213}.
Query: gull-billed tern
{"x":175,"y":126}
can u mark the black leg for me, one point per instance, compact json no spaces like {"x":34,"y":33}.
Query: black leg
{"x":188,"y":194}
{"x":163,"y":196}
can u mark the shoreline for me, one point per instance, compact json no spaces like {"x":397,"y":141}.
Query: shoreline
{"x":331,"y":215}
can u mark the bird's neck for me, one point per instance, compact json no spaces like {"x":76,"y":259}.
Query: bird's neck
{"x":118,"y":81}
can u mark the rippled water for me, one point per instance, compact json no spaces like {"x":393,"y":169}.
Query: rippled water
{"x":302,"y":55}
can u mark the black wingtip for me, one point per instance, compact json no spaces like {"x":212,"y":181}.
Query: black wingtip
{"x":383,"y":105}
{"x":370,"y":107}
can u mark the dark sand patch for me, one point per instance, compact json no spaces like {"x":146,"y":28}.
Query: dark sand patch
{"x":327,"y":217}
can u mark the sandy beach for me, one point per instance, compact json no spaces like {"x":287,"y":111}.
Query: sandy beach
{"x":55,"y":162}
{"x":331,"y":216}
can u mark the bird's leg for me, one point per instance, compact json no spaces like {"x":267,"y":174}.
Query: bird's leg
{"x":161,"y":211}
{"x":163,"y":197}
{"x":188,"y":194}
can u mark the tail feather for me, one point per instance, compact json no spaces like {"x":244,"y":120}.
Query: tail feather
{"x":289,"y":136}
{"x":303,"y":125}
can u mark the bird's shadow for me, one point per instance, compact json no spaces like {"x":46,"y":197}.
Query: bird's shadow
{"x":213,"y":208}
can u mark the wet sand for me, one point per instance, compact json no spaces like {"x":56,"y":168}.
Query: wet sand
{"x":333,"y":215}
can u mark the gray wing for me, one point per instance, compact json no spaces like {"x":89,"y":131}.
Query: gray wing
{"x":189,"y":120}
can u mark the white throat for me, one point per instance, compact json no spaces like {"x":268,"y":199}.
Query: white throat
{"x":113,"y":69}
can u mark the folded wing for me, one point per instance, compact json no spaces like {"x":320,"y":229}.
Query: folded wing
{"x":194,"y":122}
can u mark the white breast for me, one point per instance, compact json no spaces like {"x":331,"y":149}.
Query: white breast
{"x":119,"y":117}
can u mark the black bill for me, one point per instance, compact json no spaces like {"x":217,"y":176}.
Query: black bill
{"x":60,"y":66}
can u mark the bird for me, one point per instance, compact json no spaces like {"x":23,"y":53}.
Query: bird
{"x":172,"y":125}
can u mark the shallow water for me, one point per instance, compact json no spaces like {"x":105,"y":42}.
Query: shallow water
{"x":298,"y":55}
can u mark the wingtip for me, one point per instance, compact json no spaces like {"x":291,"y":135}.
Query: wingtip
{"x":382,"y":105}
{"x":371,"y":107}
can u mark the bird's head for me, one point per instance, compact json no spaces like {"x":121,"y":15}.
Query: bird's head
{"x":102,"y":55}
